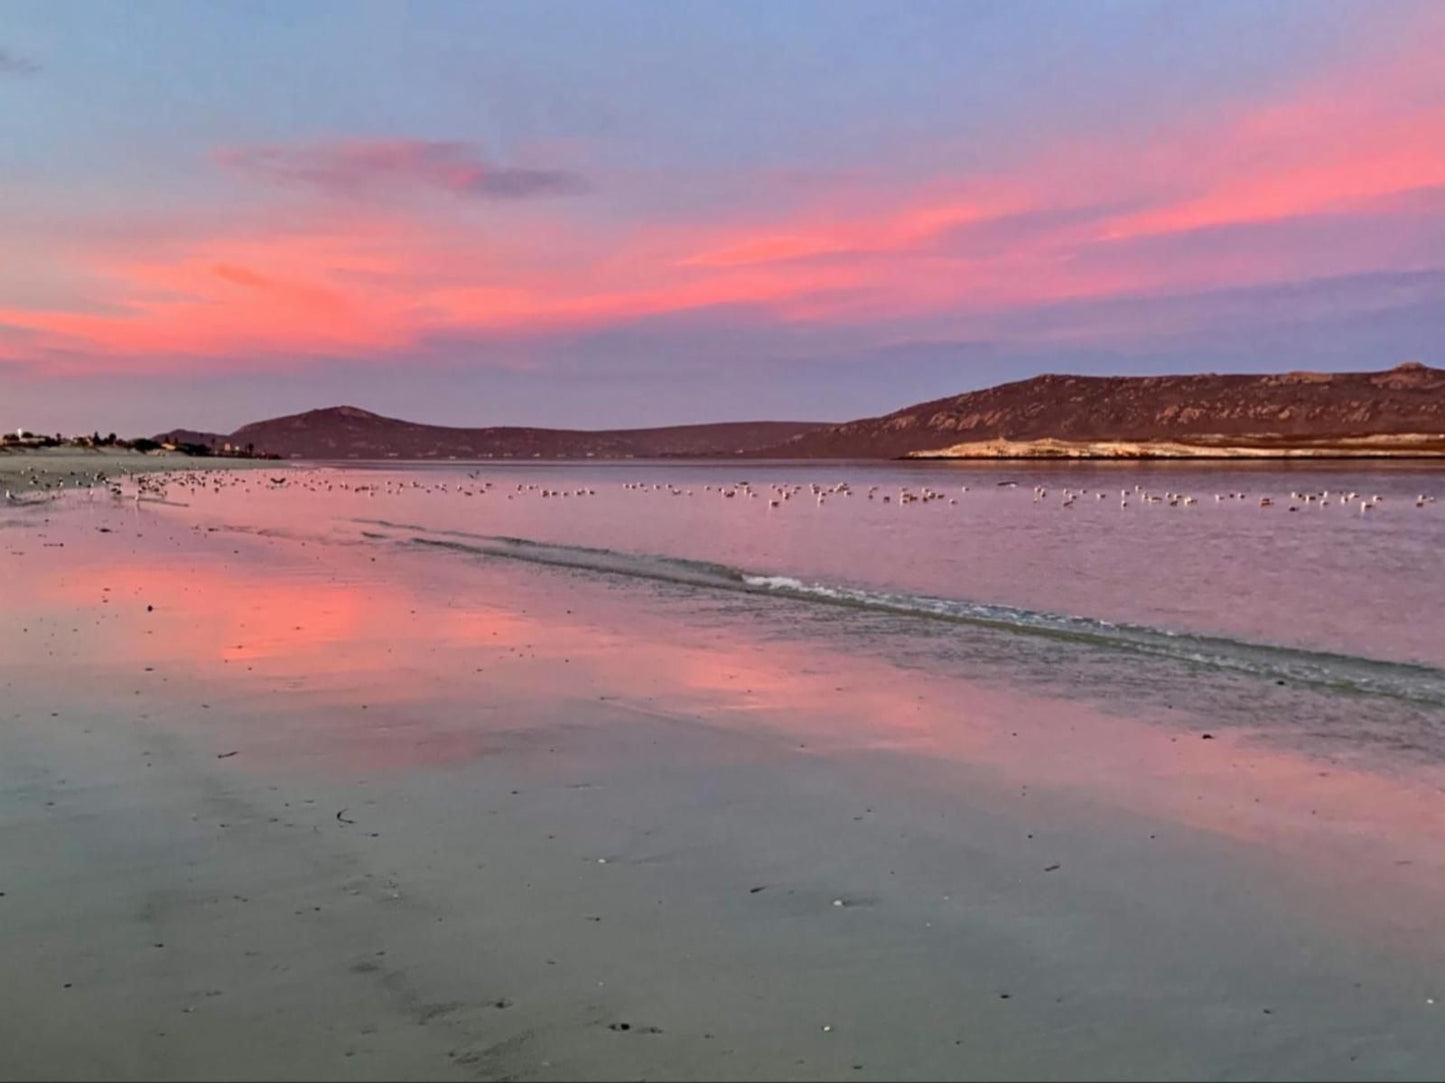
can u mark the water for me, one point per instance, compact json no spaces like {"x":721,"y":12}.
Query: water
{"x":1328,"y":620}
{"x":1323,"y":578}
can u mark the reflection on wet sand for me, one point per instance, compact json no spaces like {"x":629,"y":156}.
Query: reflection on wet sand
{"x":434,"y":652}
{"x":494,"y":813}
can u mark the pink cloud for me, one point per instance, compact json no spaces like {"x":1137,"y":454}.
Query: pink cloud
{"x":1311,"y":184}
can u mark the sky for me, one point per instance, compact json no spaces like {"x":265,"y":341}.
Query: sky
{"x":638,"y":213}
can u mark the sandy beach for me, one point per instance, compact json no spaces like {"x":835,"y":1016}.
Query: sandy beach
{"x":288,"y":806}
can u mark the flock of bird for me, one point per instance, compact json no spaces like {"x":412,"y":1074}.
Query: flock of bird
{"x":38,"y":480}
{"x":139,"y":486}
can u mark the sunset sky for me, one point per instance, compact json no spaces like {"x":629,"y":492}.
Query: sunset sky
{"x":609,"y":214}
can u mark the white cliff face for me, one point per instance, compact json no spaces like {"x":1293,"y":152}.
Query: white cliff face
{"x":1257,"y":446}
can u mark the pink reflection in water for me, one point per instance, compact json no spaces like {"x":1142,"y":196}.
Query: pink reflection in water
{"x":371,"y":658}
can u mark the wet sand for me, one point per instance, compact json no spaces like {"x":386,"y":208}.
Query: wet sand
{"x":279,"y":809}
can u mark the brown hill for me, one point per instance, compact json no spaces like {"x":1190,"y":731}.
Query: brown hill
{"x":346,"y":432}
{"x":1045,"y":415}
{"x":1274,"y":412}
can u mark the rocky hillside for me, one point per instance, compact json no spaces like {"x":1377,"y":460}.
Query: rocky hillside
{"x":346,"y":432}
{"x":1274,"y":411}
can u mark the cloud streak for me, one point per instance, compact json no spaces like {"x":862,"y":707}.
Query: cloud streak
{"x":12,"y":63}
{"x":359,"y":169}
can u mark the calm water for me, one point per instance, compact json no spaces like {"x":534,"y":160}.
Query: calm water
{"x":1328,"y":620}
{"x":1326,"y":578}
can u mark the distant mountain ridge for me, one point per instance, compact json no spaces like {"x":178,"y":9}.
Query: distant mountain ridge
{"x":348,"y":432}
{"x":1308,"y":409}
{"x":1394,"y":411}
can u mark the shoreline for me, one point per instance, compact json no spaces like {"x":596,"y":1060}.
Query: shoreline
{"x":1417,"y":447}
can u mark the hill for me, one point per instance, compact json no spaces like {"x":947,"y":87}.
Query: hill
{"x":1398,"y":411}
{"x":346,"y":432}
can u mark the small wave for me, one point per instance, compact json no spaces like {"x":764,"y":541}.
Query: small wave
{"x":586,"y":558}
{"x":1347,"y":674}
{"x":1322,"y":670}
{"x":775,"y":582}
